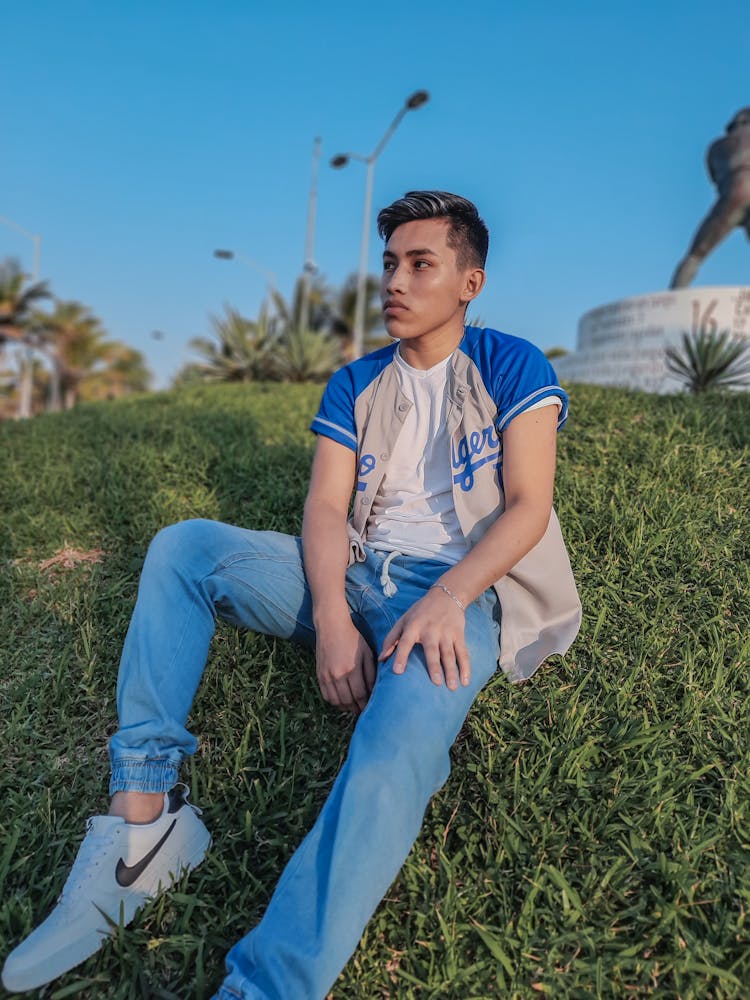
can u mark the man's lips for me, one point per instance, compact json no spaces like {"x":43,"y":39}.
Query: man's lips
{"x":390,"y":305}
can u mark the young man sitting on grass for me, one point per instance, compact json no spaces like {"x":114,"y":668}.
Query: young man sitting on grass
{"x":446,"y":439}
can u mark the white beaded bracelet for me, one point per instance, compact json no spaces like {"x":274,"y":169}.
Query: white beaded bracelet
{"x":441,"y":586}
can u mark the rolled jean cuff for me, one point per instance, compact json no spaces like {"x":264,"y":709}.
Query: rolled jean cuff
{"x":233,"y":989}
{"x":143,"y":774}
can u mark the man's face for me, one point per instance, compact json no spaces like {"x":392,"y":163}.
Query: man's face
{"x":422,"y":290}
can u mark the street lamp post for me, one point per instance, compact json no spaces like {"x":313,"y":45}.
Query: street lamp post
{"x":309,"y":268}
{"x":249,"y":262}
{"x":416,"y":100}
{"x":27,"y":374}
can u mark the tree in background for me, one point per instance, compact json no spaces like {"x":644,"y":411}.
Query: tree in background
{"x":9,"y":392}
{"x":306,"y":355}
{"x":125,"y":372}
{"x":311,"y":354}
{"x":274,"y":347}
{"x":475,"y":320}
{"x":241,"y":349}
{"x":84,"y":364}
{"x":18,"y":300}
{"x":320,"y":308}
{"x":65,"y":354}
{"x":76,"y":346}
{"x":710,"y":360}
{"x":271,"y":348}
{"x":344,"y":307}
{"x":10,"y":389}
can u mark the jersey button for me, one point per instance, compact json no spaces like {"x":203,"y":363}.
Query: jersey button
{"x":403,"y":406}
{"x":384,"y":456}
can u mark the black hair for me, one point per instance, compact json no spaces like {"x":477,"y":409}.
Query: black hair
{"x":467,"y":234}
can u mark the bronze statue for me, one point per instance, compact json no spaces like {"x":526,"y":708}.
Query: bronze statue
{"x":729,"y":168}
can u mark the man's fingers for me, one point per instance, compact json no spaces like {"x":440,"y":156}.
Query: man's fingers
{"x":338,"y":695}
{"x":434,"y":665}
{"x":369,"y":669}
{"x":464,"y":666}
{"x":403,"y":650}
{"x":447,"y":657}
{"x":329,"y":693}
{"x":450,"y":668}
{"x":391,"y":641}
{"x":344,"y":694}
{"x":358,"y":688}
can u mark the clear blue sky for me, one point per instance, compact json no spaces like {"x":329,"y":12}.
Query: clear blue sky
{"x":139,"y":136}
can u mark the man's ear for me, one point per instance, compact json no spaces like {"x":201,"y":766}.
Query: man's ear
{"x":473,"y":283}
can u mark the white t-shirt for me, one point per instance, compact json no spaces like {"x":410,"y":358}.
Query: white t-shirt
{"x":413,"y":512}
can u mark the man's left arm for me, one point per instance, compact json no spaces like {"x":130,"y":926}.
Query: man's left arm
{"x":436,"y":621}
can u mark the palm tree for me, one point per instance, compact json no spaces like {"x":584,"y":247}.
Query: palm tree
{"x":344,"y":307}
{"x":710,"y":360}
{"x":242,"y":350}
{"x":8,"y":393}
{"x":320,"y":309}
{"x":10,"y":389}
{"x":18,"y":300}
{"x":275,"y":347}
{"x":187,"y":376}
{"x":125,"y":371}
{"x":306,"y":355}
{"x":75,"y":342}
{"x":333,"y":311}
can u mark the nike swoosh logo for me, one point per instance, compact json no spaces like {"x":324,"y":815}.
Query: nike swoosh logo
{"x":125,"y":875}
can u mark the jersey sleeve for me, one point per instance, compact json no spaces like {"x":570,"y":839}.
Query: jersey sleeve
{"x":524,"y":378}
{"x":335,"y":416}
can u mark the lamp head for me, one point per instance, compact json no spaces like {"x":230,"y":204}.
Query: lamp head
{"x":224,"y":254}
{"x":340,"y":161}
{"x":417,"y":99}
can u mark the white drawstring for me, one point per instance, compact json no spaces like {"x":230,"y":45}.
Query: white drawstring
{"x":389,"y":587}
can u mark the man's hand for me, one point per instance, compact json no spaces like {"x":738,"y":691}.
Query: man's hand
{"x":437,"y":623}
{"x":345,"y":665}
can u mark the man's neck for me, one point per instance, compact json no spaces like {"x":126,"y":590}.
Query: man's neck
{"x":427,"y":351}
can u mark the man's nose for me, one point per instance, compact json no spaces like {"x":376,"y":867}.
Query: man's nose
{"x":395,"y":279}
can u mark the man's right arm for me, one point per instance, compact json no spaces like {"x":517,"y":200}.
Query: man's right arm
{"x":345,"y":664}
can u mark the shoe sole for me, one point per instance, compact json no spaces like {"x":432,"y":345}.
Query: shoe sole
{"x":19,"y":980}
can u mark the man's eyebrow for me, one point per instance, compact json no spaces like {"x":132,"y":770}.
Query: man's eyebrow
{"x":423,"y":252}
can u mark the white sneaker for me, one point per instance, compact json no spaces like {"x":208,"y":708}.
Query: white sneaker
{"x":118,"y":867}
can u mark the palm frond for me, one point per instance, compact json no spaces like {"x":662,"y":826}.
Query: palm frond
{"x":242,"y":350}
{"x":709,"y":360}
{"x":307,"y":356}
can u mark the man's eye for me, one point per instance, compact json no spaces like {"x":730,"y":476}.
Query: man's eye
{"x":387,"y":265}
{"x":420,"y":265}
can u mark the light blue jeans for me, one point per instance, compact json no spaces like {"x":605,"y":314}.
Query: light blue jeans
{"x":399,"y":752}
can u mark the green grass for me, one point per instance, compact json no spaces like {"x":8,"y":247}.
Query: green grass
{"x":594,"y":837}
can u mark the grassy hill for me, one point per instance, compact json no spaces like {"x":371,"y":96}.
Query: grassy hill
{"x":594,"y":837}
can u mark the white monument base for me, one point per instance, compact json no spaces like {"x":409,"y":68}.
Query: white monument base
{"x":624,"y":343}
